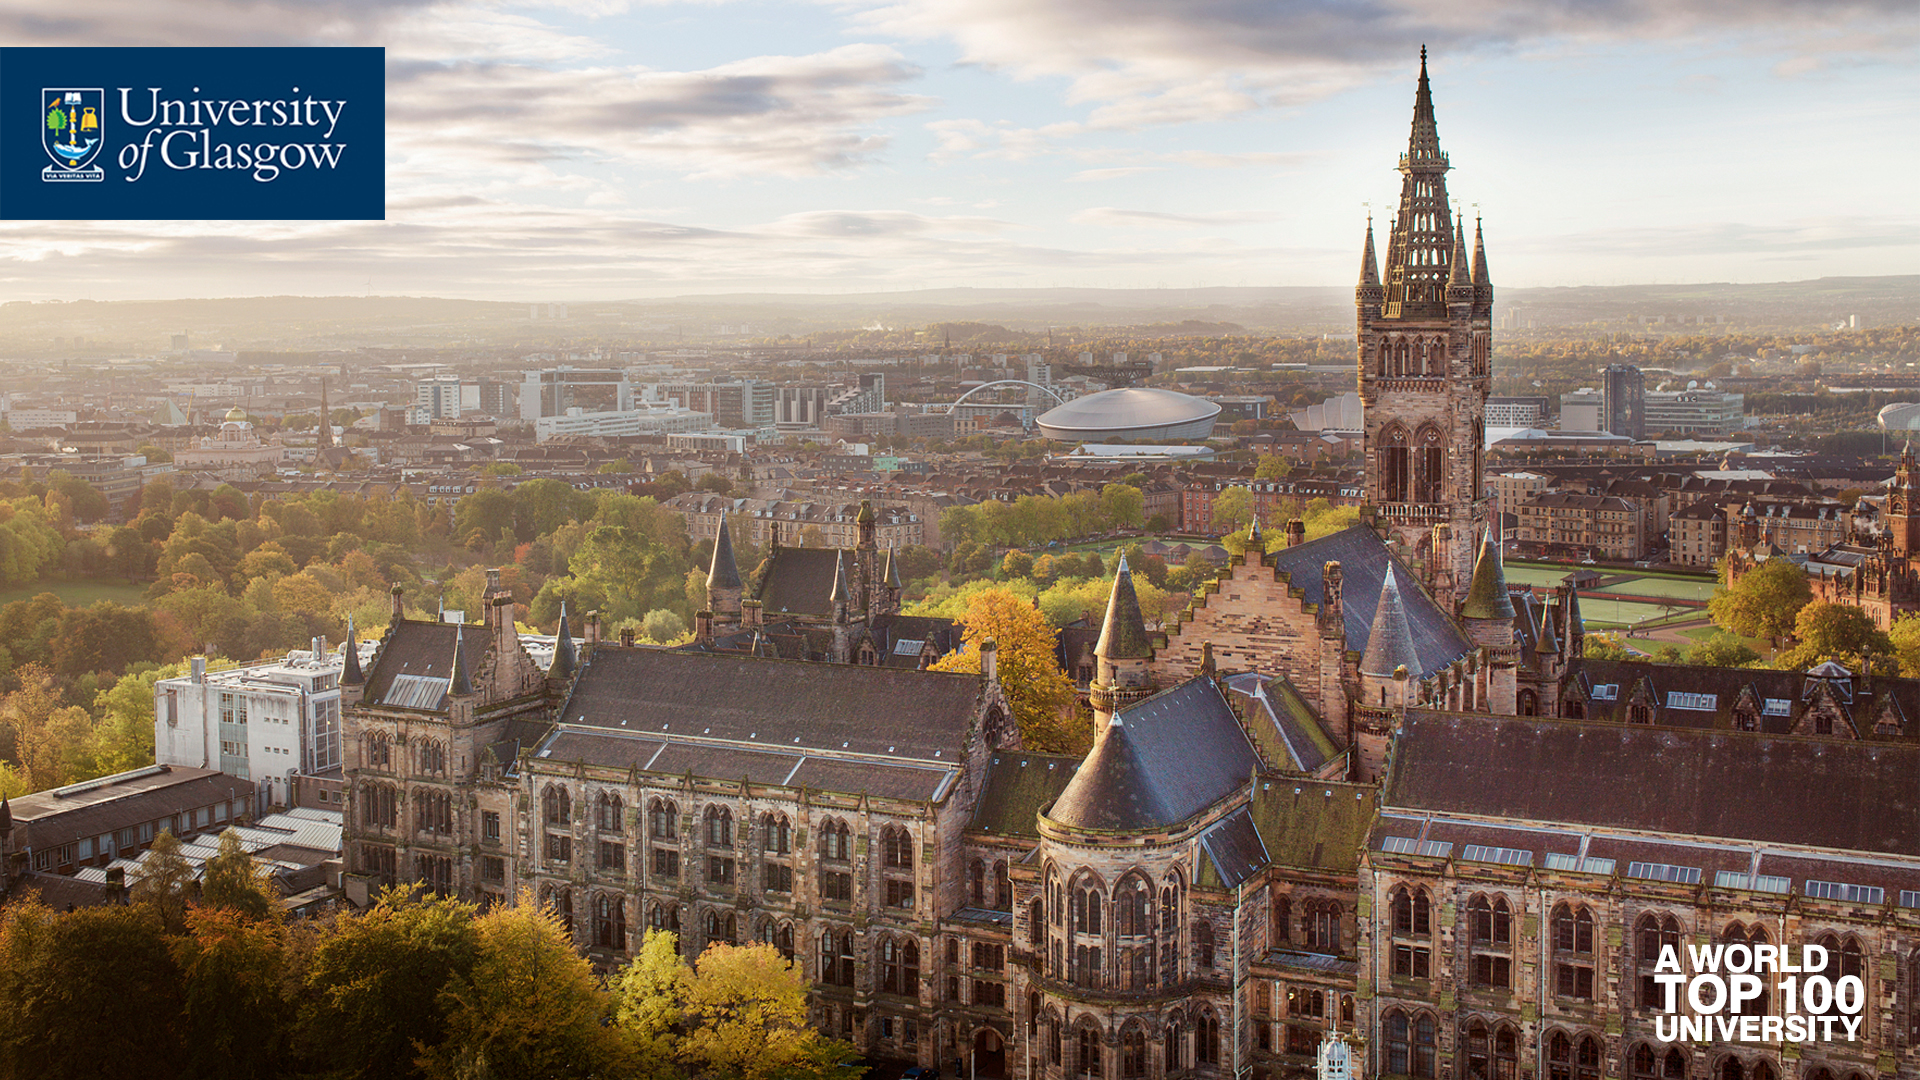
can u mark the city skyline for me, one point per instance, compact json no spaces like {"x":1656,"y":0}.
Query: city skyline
{"x":597,"y":149}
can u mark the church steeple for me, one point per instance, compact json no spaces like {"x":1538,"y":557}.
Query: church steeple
{"x":1420,"y":251}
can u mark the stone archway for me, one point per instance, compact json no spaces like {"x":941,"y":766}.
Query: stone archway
{"x":989,"y":1055}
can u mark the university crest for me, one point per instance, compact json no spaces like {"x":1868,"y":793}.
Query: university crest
{"x":72,"y":130}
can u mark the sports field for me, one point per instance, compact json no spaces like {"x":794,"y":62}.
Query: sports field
{"x":1603,"y":613}
{"x":79,"y":593}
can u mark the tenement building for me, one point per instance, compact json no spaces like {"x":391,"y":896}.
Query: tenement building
{"x":1359,"y":786}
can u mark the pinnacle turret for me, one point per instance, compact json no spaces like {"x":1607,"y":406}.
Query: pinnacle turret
{"x":1123,"y":635}
{"x":1390,"y":639}
{"x":459,"y":682}
{"x":1369,"y":265}
{"x":1457,"y":275}
{"x":842,"y":592}
{"x":1480,"y":278}
{"x":564,"y":658}
{"x":1487,"y":595}
{"x":350,"y":674}
{"x":724,"y":571}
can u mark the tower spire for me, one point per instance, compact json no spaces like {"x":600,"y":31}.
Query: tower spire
{"x":1123,"y":635}
{"x":1457,"y":274}
{"x":564,"y":660}
{"x":1487,"y":595}
{"x":458,"y":682}
{"x":1369,"y":265}
{"x":1480,"y":278}
{"x":1424,"y":141}
{"x":1390,"y":640}
{"x":350,"y":656}
{"x":724,"y":571}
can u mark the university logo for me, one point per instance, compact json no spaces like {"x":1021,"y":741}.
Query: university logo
{"x":72,"y":130}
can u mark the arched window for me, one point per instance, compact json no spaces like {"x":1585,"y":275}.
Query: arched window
{"x":1573,"y":960}
{"x":1656,"y":932}
{"x":776,"y":834}
{"x":1397,"y":1032}
{"x":1133,"y":1052}
{"x":1844,"y":958}
{"x":896,"y":848}
{"x":1412,"y":931}
{"x":719,"y":826}
{"x":610,"y":922}
{"x":779,"y":935}
{"x":609,"y":812}
{"x":977,"y":882}
{"x":1206,"y":1039}
{"x":1282,"y":919}
{"x":899,"y":966}
{"x":379,"y":750}
{"x":556,"y":806}
{"x":1395,"y":456}
{"x":1130,"y":907}
{"x":559,"y":900}
{"x":835,"y":840}
{"x":1037,"y":925}
{"x":1429,"y":465}
{"x":1170,"y":1043}
{"x":1732,"y":1069}
{"x":836,"y":958}
{"x":663,"y":819}
{"x":1490,"y":925}
{"x":1322,"y":923}
{"x":1087,"y":1052}
{"x":1002,"y":886}
{"x":1087,"y":905}
{"x":1203,"y":944}
{"x":664,"y":917}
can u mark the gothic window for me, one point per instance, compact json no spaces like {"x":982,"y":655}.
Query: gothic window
{"x":1492,"y":1054}
{"x":1206,"y":1038}
{"x":1203,"y":944}
{"x":1282,"y":919}
{"x":559,"y":900}
{"x":1844,"y":958}
{"x":899,"y":966}
{"x":1410,"y":1043}
{"x":663,"y":819}
{"x":1130,"y":908}
{"x":1133,"y":1052}
{"x":1490,"y":924}
{"x":1745,"y":719}
{"x":431,"y":758}
{"x":1529,"y":703}
{"x":379,"y":750}
{"x":776,"y":834}
{"x":433,"y":812}
{"x":664,"y":917}
{"x":779,"y":935}
{"x":1322,"y":925}
{"x":609,"y":812}
{"x":1655,"y":932}
{"x":1429,"y":465}
{"x":610,"y":922}
{"x":1037,"y":925}
{"x":722,"y":929}
{"x":977,"y":882}
{"x":1412,"y":931}
{"x":1573,"y":958}
{"x":378,"y":807}
{"x":1002,"y":887}
{"x":835,"y":840}
{"x":1087,"y":904}
{"x":556,"y":806}
{"x":1087,"y":969}
{"x":1087,"y":1051}
{"x":719,"y":826}
{"x":1395,"y":464}
{"x":1170,"y":1043}
{"x":896,"y":848}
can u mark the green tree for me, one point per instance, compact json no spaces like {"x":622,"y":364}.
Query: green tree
{"x":1721,"y":650}
{"x":374,"y":984}
{"x":1232,"y":508}
{"x":1016,"y":564}
{"x":487,"y":514}
{"x":1607,"y":647}
{"x":89,"y":993}
{"x":1764,"y":603}
{"x":1123,"y":504}
{"x":662,"y":626}
{"x":527,"y":1007}
{"x":165,"y":881}
{"x":1838,"y":632}
{"x":232,"y":879}
{"x":234,"y":974}
{"x":1272,"y":467}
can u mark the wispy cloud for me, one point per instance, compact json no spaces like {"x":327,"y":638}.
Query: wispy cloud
{"x":1115,"y":217}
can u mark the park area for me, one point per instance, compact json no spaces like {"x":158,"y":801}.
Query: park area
{"x":1643,"y":595}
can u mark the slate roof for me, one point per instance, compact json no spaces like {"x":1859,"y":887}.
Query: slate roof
{"x":422,"y":648}
{"x":1285,"y":729}
{"x":1159,"y":762}
{"x":1709,"y":696}
{"x":778,"y":703}
{"x":1123,"y":635}
{"x":1487,"y":592}
{"x":1018,"y":787}
{"x":1320,"y":824}
{"x":1234,"y":851}
{"x":1363,"y":559}
{"x":1844,"y":795}
{"x":45,"y":819}
{"x":723,"y":572}
{"x":799,"y":581}
{"x":1389,"y":635}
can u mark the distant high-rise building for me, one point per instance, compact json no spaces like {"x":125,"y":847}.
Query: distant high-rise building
{"x":437,"y":399}
{"x":1623,"y":405}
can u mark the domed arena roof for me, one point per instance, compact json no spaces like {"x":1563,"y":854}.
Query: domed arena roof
{"x":1900,"y":416}
{"x":1134,"y":412}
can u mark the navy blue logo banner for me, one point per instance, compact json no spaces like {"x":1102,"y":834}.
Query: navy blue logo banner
{"x":193,"y":134}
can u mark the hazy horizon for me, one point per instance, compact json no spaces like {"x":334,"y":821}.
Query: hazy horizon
{"x":607,"y":150}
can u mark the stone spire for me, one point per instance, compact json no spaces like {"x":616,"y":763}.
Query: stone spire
{"x":1123,"y":636}
{"x":324,"y":437}
{"x":1420,"y":248}
{"x":564,"y":658}
{"x":350,"y":674}
{"x":458,"y":682}
{"x":842,"y":595}
{"x":1480,"y":278}
{"x":724,"y":572}
{"x":6,"y":816}
{"x":1458,"y":275}
{"x":893,"y":571}
{"x":1548,"y":644}
{"x":1369,"y":264}
{"x":1487,"y":594}
{"x":1390,"y":639}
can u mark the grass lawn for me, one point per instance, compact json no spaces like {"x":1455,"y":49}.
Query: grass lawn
{"x":1678,"y":588}
{"x":1702,"y":633}
{"x":80,"y":593}
{"x":1536,"y":574}
{"x":1617,"y":612}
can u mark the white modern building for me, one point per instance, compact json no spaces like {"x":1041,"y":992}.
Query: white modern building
{"x":437,"y":399}
{"x":267,"y":722}
{"x":645,"y":418}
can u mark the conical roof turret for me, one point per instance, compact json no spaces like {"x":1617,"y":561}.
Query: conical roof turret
{"x":1549,"y":642}
{"x":459,"y":682}
{"x":1123,"y":636}
{"x":893,"y":571}
{"x":842,"y":592}
{"x":1457,"y":273}
{"x":1480,"y":278}
{"x":350,"y":673}
{"x":565,"y":661}
{"x":1369,"y":265}
{"x":1487,"y":594}
{"x":724,"y":571}
{"x":1390,"y":639}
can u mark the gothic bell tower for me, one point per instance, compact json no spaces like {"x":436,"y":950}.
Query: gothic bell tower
{"x":1425,"y":330}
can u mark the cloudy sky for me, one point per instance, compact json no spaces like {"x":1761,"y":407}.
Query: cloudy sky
{"x":581,"y":149}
